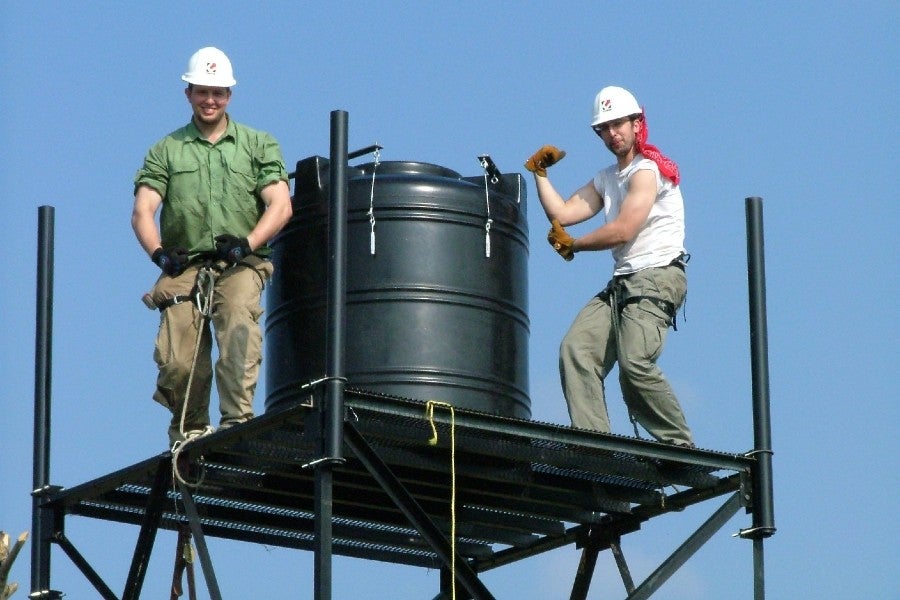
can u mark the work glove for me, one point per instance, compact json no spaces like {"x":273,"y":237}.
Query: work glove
{"x":561,"y":241}
{"x":543,"y":158}
{"x":231,"y":248}
{"x":172,"y":262}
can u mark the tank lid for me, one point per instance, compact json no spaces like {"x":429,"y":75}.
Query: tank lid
{"x":406,"y":167}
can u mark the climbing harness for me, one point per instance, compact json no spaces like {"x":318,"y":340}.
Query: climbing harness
{"x":202,"y":296}
{"x":664,"y":305}
{"x":429,"y":414}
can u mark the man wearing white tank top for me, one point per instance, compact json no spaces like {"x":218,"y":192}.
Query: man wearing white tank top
{"x":626,"y":322}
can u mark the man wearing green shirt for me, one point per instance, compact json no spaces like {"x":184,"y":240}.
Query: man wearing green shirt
{"x":221,"y":192}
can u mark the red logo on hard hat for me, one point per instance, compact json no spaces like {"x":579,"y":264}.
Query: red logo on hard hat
{"x":606,"y":105}
{"x":210,"y":68}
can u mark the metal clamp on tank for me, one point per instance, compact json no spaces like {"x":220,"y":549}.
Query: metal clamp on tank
{"x":311,"y":386}
{"x":511,"y":183}
{"x":487,"y":163}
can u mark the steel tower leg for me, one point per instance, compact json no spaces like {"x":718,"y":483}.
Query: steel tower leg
{"x":763,"y":504}
{"x":43,"y":521}
{"x":331,"y":410}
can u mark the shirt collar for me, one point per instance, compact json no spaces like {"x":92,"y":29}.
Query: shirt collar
{"x":194,"y":134}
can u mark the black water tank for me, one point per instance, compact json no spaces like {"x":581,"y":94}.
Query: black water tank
{"x":437,"y":312}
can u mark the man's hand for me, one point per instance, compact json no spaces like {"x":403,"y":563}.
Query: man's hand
{"x":171,"y":262}
{"x":543,"y":158}
{"x":231,"y":248}
{"x":561,"y":241}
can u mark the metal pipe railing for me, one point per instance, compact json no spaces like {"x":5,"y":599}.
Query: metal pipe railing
{"x":763,"y":505}
{"x":763,"y":514}
{"x":41,"y":517}
{"x":331,"y":410}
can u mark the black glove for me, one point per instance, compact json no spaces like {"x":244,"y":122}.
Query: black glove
{"x":171,"y":262}
{"x":231,"y":248}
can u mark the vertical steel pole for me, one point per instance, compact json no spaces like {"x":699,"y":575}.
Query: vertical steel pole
{"x":759,"y":570}
{"x":763,"y":512}
{"x":337,"y":288}
{"x":41,"y":518}
{"x":332,"y":409}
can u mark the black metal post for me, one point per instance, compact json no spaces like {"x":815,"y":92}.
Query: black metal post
{"x":332,"y":409}
{"x":337,"y":288}
{"x":759,"y":570}
{"x":762,"y":509}
{"x":42,"y":521}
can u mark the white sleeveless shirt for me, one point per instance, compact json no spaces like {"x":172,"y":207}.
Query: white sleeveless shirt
{"x":661,"y":238}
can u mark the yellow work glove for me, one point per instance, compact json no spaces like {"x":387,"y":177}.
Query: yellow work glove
{"x":543,"y":158}
{"x":561,"y":241}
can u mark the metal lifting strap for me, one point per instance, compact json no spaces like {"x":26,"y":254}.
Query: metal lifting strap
{"x":488,"y":222}
{"x":493,"y":175}
{"x":377,"y":154}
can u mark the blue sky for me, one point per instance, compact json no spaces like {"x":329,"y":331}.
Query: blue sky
{"x":793,"y":102}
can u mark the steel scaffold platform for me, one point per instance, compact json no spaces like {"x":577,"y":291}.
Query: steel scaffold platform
{"x":522,"y":488}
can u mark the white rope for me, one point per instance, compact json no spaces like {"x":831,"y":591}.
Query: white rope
{"x":206,"y":281}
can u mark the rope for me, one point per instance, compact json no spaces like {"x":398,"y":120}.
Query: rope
{"x":206,"y":281}
{"x":429,"y":414}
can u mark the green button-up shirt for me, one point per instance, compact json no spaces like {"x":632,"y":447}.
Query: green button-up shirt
{"x":210,"y":189}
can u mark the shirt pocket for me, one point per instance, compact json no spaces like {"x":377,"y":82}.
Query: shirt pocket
{"x":184,"y":181}
{"x":239,"y":176}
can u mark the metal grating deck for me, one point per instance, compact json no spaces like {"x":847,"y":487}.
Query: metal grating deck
{"x":522,"y":487}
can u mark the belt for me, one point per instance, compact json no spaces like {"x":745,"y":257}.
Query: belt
{"x":177,"y":299}
{"x":680,"y":261}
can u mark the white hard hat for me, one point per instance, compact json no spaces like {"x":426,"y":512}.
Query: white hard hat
{"x":209,"y":66}
{"x":614,"y":103}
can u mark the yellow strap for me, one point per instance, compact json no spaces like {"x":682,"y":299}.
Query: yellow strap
{"x":429,"y":414}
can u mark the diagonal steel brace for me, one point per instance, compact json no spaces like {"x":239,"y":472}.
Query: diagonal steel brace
{"x":414,"y":512}
{"x":194,"y":521}
{"x":688,"y":548}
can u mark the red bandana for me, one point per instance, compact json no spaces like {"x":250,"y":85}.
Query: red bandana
{"x":666,"y":165}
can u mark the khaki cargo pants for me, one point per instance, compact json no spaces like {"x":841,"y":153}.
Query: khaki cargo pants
{"x":590,"y":349}
{"x":235,"y":313}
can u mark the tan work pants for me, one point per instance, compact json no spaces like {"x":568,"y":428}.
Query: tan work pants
{"x":234,"y":316}
{"x":590,"y":349}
